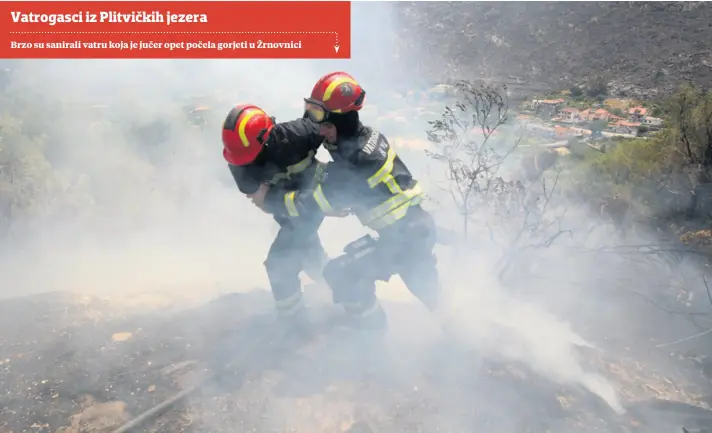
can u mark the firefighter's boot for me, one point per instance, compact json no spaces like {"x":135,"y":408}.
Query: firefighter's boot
{"x":359,"y":317}
{"x":295,"y":318}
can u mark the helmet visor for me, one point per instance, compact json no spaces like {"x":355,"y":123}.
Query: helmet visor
{"x":314,"y":111}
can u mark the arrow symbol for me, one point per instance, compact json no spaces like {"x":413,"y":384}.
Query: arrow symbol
{"x":336,"y":48}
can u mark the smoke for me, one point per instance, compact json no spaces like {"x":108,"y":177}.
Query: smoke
{"x":174,"y":203}
{"x":509,"y":328}
{"x":167,"y":217}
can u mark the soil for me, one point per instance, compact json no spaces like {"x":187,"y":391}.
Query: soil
{"x":74,"y":364}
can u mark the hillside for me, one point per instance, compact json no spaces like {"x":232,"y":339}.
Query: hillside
{"x":639,"y":47}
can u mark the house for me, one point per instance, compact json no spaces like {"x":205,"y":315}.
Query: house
{"x":569,"y":114}
{"x":625,"y":127}
{"x":597,"y":114}
{"x":637,"y":113}
{"x":547,"y":107}
{"x":652,"y":121}
{"x":548,"y":102}
{"x":580,"y":132}
{"x":561,"y":132}
{"x":539,"y":129}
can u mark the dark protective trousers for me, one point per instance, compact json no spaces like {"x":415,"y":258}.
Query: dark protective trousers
{"x":404,"y":249}
{"x":296,"y":248}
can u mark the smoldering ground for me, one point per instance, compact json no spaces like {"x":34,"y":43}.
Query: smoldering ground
{"x":164,"y":219}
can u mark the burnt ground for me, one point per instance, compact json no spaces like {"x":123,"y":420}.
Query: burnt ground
{"x":71,"y":363}
{"x":652,"y":46}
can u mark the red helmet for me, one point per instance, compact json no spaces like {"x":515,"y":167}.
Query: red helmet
{"x":336,"y":92}
{"x":245,"y":131}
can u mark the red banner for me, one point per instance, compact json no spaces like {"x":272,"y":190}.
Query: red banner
{"x":175,"y":29}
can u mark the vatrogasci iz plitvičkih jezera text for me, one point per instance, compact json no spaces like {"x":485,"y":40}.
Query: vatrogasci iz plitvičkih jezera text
{"x":109,"y":17}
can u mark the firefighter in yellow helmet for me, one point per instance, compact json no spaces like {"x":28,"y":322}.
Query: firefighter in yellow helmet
{"x":367,"y":177}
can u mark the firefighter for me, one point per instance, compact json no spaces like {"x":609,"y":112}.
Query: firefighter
{"x":261,"y":152}
{"x":367,"y":177}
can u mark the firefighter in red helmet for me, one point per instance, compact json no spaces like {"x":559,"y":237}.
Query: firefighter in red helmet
{"x":367,"y":177}
{"x":261,"y":153}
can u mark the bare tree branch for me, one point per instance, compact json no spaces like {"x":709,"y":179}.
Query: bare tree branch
{"x":463,"y":142}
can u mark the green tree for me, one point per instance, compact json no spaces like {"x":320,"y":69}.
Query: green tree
{"x":670,"y":166}
{"x":689,"y":134}
{"x":597,"y":127}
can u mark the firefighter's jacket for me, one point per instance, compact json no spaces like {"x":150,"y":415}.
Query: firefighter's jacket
{"x":366,"y":177}
{"x":287,"y":162}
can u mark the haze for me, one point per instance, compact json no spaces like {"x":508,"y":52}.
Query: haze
{"x":157,"y":229}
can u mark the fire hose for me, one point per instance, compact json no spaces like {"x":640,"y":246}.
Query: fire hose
{"x":161,"y":408}
{"x":236,"y":363}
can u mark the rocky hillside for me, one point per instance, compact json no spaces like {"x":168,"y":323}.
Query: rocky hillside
{"x":634,"y":45}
